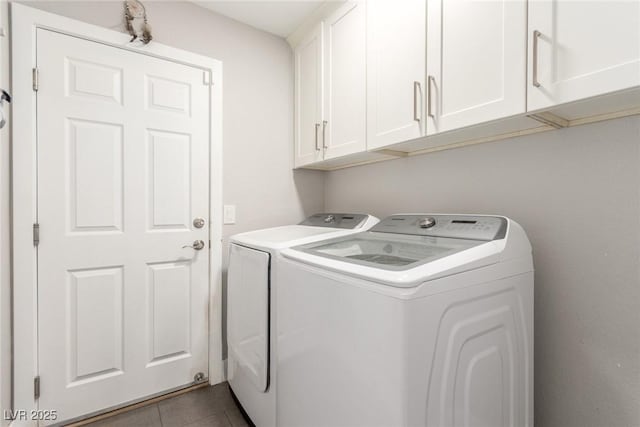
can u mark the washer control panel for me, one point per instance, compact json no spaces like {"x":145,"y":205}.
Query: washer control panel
{"x":454,"y":226}
{"x":336,"y":220}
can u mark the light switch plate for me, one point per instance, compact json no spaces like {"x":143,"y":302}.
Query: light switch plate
{"x":229,"y":214}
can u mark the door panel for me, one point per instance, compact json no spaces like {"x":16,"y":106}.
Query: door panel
{"x":344,"y":131}
{"x":308,"y":98}
{"x":575,"y":58}
{"x":169,"y":180}
{"x":122,"y":171}
{"x":168,"y":95}
{"x":169,"y":312}
{"x":395,"y":71}
{"x":476,"y":56}
{"x":93,"y":80}
{"x":95,"y":326}
{"x":96,"y":182}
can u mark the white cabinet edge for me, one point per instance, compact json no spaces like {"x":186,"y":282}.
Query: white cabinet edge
{"x":312,"y":21}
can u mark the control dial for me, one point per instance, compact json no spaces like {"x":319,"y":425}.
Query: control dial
{"x":427,"y":222}
{"x":329,"y":218}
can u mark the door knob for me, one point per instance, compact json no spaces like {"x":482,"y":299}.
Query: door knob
{"x":197,"y":245}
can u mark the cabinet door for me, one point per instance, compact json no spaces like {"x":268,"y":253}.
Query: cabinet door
{"x":476,"y":62}
{"x":395,"y":70}
{"x":345,"y":117}
{"x":308,"y":98}
{"x":580,"y":49}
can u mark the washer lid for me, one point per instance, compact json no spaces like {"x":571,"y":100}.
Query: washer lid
{"x":397,"y":260}
{"x":395,"y":252}
{"x":406,"y":250}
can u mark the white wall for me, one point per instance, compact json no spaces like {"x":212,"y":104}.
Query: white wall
{"x":257,"y":121}
{"x":577,"y":194}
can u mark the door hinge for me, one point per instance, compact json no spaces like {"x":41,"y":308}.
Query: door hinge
{"x":36,"y":234}
{"x":36,"y":388}
{"x":35,"y":77}
{"x":206,"y":78}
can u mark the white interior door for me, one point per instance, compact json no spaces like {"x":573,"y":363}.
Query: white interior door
{"x":476,"y":62}
{"x":122,"y":172}
{"x":345,"y":101}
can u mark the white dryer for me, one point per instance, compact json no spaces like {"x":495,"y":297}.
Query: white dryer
{"x":425,"y":320}
{"x":252,"y":277}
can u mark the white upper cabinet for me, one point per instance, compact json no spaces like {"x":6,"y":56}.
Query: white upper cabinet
{"x":476,"y":62}
{"x":308,"y":98}
{"x":386,"y":78}
{"x":581,"y":49}
{"x":396,"y":38}
{"x":344,"y":119}
{"x":330,"y":88}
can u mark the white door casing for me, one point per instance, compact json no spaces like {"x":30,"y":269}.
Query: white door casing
{"x":396,"y":51}
{"x":113,"y":239}
{"x":476,"y":62}
{"x":308,"y":98}
{"x":345,"y":118}
{"x":573,"y":58}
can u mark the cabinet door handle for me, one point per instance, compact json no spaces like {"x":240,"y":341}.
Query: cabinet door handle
{"x":534,"y":77}
{"x":324,"y":134}
{"x":430,"y":80}
{"x":316,"y":129}
{"x":416,"y":91}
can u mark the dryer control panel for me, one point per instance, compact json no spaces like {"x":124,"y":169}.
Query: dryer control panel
{"x":473,"y":227}
{"x":336,"y":220}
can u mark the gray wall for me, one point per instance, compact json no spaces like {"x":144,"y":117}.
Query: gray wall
{"x":257,"y":122}
{"x":577,"y":194}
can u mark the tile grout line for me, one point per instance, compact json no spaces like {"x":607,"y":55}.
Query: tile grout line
{"x":226,"y":415}
{"x":159,"y":415}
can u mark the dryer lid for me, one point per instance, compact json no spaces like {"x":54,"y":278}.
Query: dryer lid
{"x":308,"y":231}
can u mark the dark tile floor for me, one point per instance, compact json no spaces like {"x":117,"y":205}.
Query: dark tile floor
{"x":204,"y":407}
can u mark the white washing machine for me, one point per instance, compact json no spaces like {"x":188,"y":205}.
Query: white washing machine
{"x":252,"y":276}
{"x":425,"y":320}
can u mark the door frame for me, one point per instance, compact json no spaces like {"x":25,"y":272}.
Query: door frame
{"x":25,"y":23}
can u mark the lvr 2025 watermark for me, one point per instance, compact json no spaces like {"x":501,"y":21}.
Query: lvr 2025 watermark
{"x":31,"y":415}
